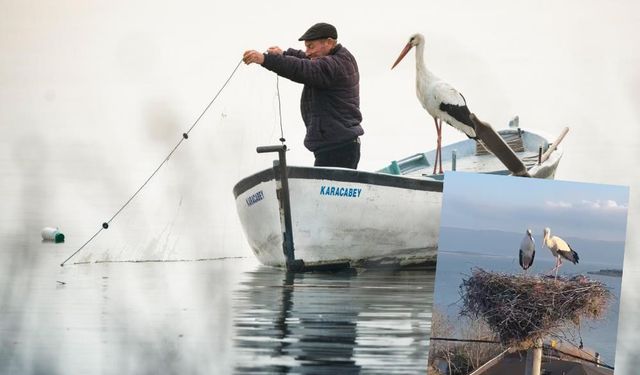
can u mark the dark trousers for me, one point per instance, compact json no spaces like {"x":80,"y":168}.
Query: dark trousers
{"x":345,"y":155}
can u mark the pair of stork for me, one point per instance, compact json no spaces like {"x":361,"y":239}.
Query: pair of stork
{"x":559,"y":249}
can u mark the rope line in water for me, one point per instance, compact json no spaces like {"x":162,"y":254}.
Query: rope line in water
{"x":163,"y":261}
{"x":105,"y":225}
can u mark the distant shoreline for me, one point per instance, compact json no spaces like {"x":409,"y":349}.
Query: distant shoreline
{"x":613,"y":273}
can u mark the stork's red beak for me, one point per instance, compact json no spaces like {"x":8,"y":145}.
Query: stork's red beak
{"x":404,"y":52}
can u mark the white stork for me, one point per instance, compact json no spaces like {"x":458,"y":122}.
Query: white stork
{"x":443,"y":102}
{"x":527,"y":251}
{"x":560,"y":249}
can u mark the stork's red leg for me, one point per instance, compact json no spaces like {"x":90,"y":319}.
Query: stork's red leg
{"x":555,"y":268}
{"x":440,"y":144}
{"x":558,"y":264}
{"x":435,"y":162}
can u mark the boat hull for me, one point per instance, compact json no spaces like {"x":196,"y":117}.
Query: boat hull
{"x":342,"y":216}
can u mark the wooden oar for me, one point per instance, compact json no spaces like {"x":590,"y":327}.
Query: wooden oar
{"x":553,"y":146}
{"x":494,"y":143}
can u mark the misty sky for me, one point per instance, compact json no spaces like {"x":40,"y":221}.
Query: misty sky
{"x":570,"y":209}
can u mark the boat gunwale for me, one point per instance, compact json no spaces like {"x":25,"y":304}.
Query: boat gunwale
{"x":341,"y":175}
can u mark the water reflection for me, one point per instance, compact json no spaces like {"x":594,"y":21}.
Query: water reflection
{"x":333,"y":323}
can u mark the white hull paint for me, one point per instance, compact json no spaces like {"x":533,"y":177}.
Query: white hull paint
{"x":369,"y":218}
{"x":338,"y":221}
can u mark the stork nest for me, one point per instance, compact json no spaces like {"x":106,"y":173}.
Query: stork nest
{"x":521,"y":308}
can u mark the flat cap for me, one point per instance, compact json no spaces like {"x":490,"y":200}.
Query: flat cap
{"x":320,"y":31}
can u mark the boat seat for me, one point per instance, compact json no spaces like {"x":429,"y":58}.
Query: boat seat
{"x":513,"y":140}
{"x":530,"y":161}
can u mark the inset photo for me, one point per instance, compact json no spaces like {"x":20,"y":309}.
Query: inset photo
{"x":528,"y":277}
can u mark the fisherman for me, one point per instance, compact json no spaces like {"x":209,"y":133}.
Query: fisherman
{"x":330,"y":102}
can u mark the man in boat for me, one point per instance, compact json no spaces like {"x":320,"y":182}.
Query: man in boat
{"x":330,"y":102}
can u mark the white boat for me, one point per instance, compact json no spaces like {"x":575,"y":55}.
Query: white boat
{"x":357,"y":218}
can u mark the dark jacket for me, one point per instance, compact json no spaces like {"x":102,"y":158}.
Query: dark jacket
{"x":330,"y":102}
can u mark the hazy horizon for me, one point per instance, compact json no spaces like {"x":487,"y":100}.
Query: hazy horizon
{"x":534,"y":234}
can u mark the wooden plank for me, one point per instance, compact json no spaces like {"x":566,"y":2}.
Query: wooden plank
{"x":490,"y":363}
{"x":513,"y":140}
{"x":555,"y":144}
{"x":499,"y":147}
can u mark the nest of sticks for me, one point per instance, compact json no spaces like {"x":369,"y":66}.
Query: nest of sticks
{"x":521,"y":308}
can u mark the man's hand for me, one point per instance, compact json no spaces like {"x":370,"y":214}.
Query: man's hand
{"x":275,"y":50}
{"x":253,"y":57}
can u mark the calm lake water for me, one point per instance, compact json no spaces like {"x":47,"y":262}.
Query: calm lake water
{"x":375,"y":322}
{"x":207,"y":317}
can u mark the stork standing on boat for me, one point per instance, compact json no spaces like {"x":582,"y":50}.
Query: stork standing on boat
{"x":560,"y":249}
{"x":441,"y":100}
{"x":527,"y":251}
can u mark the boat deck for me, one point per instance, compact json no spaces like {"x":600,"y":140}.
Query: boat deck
{"x":472,"y":156}
{"x":485,"y":162}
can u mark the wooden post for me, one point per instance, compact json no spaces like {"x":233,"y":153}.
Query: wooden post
{"x":537,"y":357}
{"x":528,"y":365}
{"x":453,"y":160}
{"x":539,"y":155}
{"x":282,"y":191}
